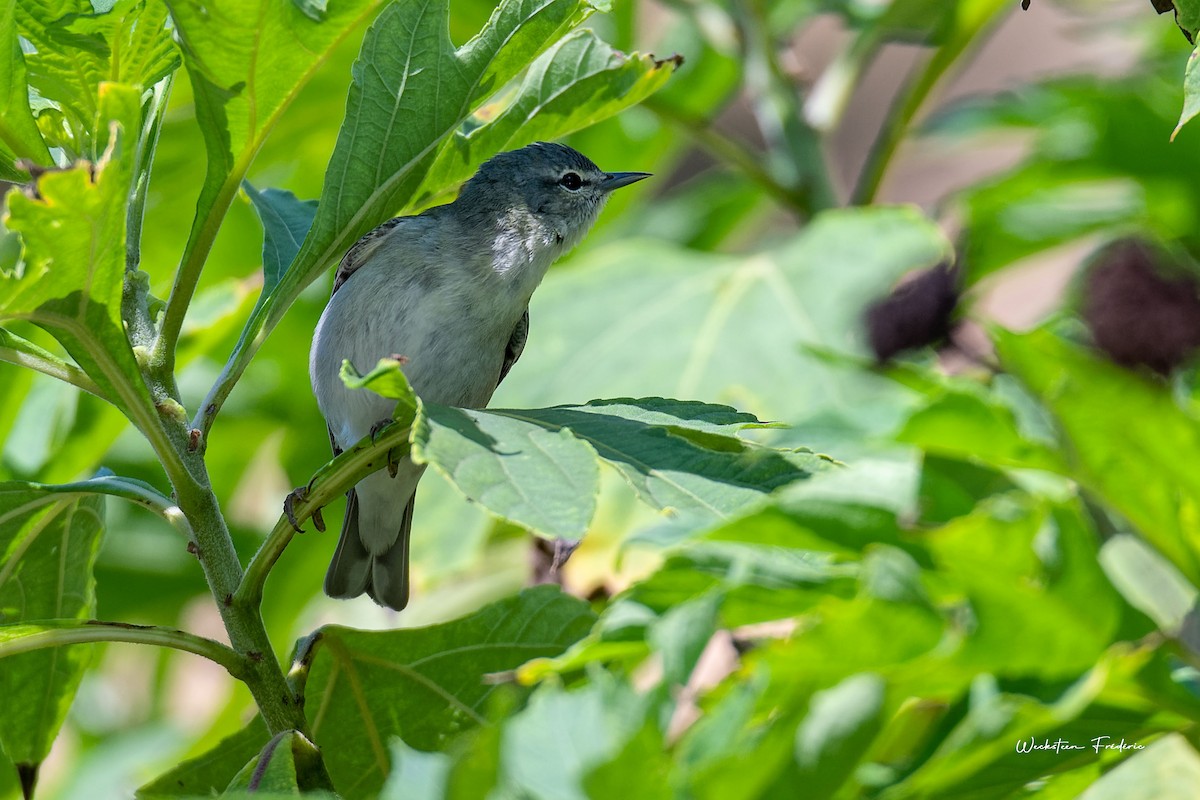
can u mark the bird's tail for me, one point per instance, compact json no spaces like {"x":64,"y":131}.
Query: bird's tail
{"x":354,"y":570}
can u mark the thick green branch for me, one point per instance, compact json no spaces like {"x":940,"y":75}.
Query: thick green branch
{"x":329,"y":482}
{"x":25,"y":638}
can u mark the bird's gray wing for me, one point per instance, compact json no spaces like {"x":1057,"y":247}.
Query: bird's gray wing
{"x":515,"y":346}
{"x":361,"y":250}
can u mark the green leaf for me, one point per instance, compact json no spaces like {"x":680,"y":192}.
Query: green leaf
{"x":424,"y":684}
{"x":1131,"y":442}
{"x":74,"y":257}
{"x":78,"y":49}
{"x":285,"y":220}
{"x":681,"y":635}
{"x":387,"y":379}
{"x":416,"y":775}
{"x":841,"y":724}
{"x":1191,"y":92}
{"x":289,"y":764}
{"x":19,"y":136}
{"x":645,"y":756}
{"x":48,"y":547}
{"x":679,"y":456}
{"x":582,"y":728}
{"x":542,"y":479}
{"x":1030,"y":573}
{"x":968,"y":426}
{"x":209,"y":773}
{"x":1148,"y":581}
{"x":1168,"y":769}
{"x":578,"y":82}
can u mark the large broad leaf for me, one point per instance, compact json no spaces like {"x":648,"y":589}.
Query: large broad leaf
{"x":48,"y":546}
{"x":19,"y":137}
{"x":537,"y":467}
{"x":246,"y":66}
{"x":1130,"y":441}
{"x":687,"y":324}
{"x":425,"y":684}
{"x":74,"y":256}
{"x":77,"y":49}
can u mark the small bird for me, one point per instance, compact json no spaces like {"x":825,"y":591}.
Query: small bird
{"x":448,"y":290}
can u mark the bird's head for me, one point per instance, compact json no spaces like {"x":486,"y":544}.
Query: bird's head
{"x":555,"y":186}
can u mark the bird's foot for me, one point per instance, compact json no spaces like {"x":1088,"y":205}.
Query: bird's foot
{"x":393,"y":464}
{"x":298,"y":495}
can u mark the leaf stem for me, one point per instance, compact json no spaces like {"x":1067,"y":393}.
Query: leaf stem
{"x":188,"y":276}
{"x":24,"y":353}
{"x":40,"y":636}
{"x":975,"y":20}
{"x":332,"y":480}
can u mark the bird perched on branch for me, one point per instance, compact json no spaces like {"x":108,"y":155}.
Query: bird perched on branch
{"x":447,"y":289}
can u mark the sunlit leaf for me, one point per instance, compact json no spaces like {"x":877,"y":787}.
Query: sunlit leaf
{"x":579,"y":81}
{"x":74,"y":257}
{"x":19,"y":136}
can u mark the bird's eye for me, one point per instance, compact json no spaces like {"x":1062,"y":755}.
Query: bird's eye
{"x":570,"y":181}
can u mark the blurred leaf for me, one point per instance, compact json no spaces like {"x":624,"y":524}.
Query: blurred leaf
{"x":48,"y":546}
{"x":579,"y":81}
{"x":1167,"y":769}
{"x":78,"y":49}
{"x":19,"y":136}
{"x":1030,"y":573}
{"x":681,"y":635}
{"x":243,"y":78}
{"x":424,"y":684}
{"x":968,"y":426}
{"x":841,"y":724}
{"x":726,"y":328}
{"x":209,"y":773}
{"x":1130,"y":441}
{"x":582,"y":728}
{"x":416,"y":775}
{"x":951,"y":488}
{"x":645,"y":759}
{"x":1149,"y":582}
{"x":74,"y":239}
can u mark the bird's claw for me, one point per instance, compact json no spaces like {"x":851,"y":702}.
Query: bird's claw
{"x":298,"y":495}
{"x":393,"y":464}
{"x":379,"y":426}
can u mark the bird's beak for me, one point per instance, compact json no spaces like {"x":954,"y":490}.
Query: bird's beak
{"x":615,"y":180}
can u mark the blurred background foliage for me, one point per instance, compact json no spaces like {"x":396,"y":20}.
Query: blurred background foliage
{"x":1009,"y":550}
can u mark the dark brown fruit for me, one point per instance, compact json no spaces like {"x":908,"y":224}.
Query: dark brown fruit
{"x":1139,"y":313}
{"x":915,"y":314}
